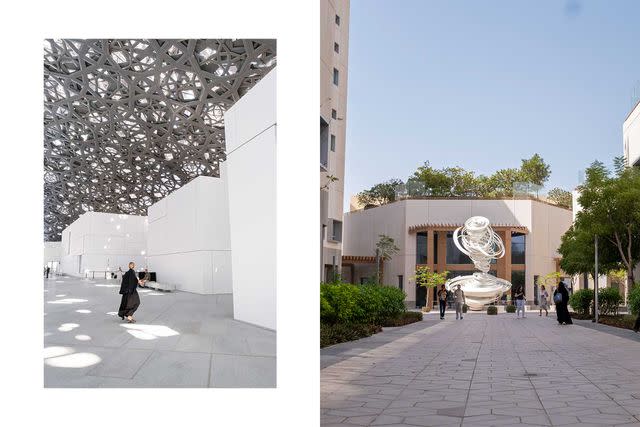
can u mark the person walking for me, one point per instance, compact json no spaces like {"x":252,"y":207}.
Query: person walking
{"x":47,"y":271}
{"x":442,"y":300}
{"x":129,"y":291}
{"x":520,"y":301}
{"x":460,"y":300}
{"x":544,"y":301}
{"x":561,"y":299}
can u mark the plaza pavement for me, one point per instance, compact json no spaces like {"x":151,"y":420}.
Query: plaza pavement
{"x":180,"y":340}
{"x":484,"y":371}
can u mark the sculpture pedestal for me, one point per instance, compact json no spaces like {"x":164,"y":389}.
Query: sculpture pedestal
{"x":479,"y":289}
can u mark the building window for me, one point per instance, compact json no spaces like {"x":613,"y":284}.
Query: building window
{"x":517,"y":280}
{"x":333,"y":143}
{"x":421,"y":248}
{"x":337,"y":20}
{"x":454,"y":256}
{"x":517,"y":248}
{"x":336,"y":48}
{"x":401,"y":282}
{"x":324,"y":144}
{"x":334,"y":114}
{"x":435,"y":248}
{"x":336,"y":77}
{"x":336,"y":230}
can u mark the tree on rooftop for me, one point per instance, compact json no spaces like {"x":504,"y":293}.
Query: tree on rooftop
{"x":380,"y":194}
{"x":561,"y":197}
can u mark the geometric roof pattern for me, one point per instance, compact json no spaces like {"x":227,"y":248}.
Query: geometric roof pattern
{"x":126,"y":122}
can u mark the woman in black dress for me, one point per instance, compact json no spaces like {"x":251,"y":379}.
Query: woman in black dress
{"x":561,"y":306}
{"x":129,"y":291}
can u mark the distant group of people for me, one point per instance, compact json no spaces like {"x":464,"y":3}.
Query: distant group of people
{"x":560,"y":299}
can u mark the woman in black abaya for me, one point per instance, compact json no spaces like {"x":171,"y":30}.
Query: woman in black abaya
{"x":129,"y":291}
{"x":561,"y":306}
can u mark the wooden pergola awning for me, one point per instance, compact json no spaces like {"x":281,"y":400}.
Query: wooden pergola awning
{"x":351,"y":259}
{"x":452,"y":226}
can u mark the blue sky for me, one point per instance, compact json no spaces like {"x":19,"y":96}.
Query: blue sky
{"x":483,"y":84}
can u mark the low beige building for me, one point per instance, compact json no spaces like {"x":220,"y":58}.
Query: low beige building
{"x":423,"y":230}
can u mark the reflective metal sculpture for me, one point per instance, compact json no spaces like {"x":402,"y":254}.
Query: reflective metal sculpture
{"x":478,"y":241}
{"x":126,"y":122}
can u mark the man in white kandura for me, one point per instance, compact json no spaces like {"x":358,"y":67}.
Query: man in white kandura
{"x":460,"y":300}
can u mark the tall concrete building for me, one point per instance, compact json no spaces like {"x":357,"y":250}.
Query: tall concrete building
{"x":334,"y":49}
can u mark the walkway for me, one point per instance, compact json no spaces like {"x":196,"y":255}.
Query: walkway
{"x":180,"y":340}
{"x":484,"y":371}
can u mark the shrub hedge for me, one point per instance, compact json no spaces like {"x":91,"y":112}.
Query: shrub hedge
{"x":510,"y":308}
{"x":633,"y":299}
{"x":366,"y":304}
{"x":609,"y":299}
{"x":581,"y":301}
{"x":492,"y":309}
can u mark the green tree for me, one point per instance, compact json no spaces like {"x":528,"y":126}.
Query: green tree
{"x":561,"y":197}
{"x":380,"y":194}
{"x":431,"y":182}
{"x":503,"y":180}
{"x":535,"y":170}
{"x":429,"y":279}
{"x":386,"y":249}
{"x":611,"y":209}
{"x":577,"y":248}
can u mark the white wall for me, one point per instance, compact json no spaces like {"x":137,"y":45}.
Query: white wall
{"x":102,"y":241}
{"x":188,"y":240}
{"x":250,"y":132}
{"x":52,"y":252}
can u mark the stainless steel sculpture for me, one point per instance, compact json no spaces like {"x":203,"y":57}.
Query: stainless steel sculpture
{"x":126,"y":122}
{"x":478,"y":241}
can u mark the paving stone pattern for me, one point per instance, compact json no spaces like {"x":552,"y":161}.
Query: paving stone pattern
{"x":180,"y":340}
{"x":483,"y":371}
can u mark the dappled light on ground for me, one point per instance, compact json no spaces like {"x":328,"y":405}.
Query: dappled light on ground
{"x":66,"y":327}
{"x":57,"y":351}
{"x":149,"y":332}
{"x":83,"y":311}
{"x":73,"y":360}
{"x":67,"y":301}
{"x":83,"y":337}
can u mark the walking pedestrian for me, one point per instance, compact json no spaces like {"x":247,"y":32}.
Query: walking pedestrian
{"x":561,"y":299}
{"x":442,"y":300}
{"x":520,"y":301}
{"x":460,"y":300}
{"x":129,"y":291}
{"x":47,"y":271}
{"x":544,"y":301}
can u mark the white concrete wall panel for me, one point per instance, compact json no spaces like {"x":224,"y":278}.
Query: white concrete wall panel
{"x":250,"y":170}
{"x":102,"y":241}
{"x":188,"y":242}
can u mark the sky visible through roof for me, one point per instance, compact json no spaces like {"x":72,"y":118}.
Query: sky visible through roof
{"x":484,"y":84}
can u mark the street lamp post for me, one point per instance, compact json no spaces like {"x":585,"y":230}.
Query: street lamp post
{"x":595,"y":283}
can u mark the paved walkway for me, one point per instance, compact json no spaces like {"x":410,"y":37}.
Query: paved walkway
{"x":483,"y":371}
{"x":180,"y":340}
